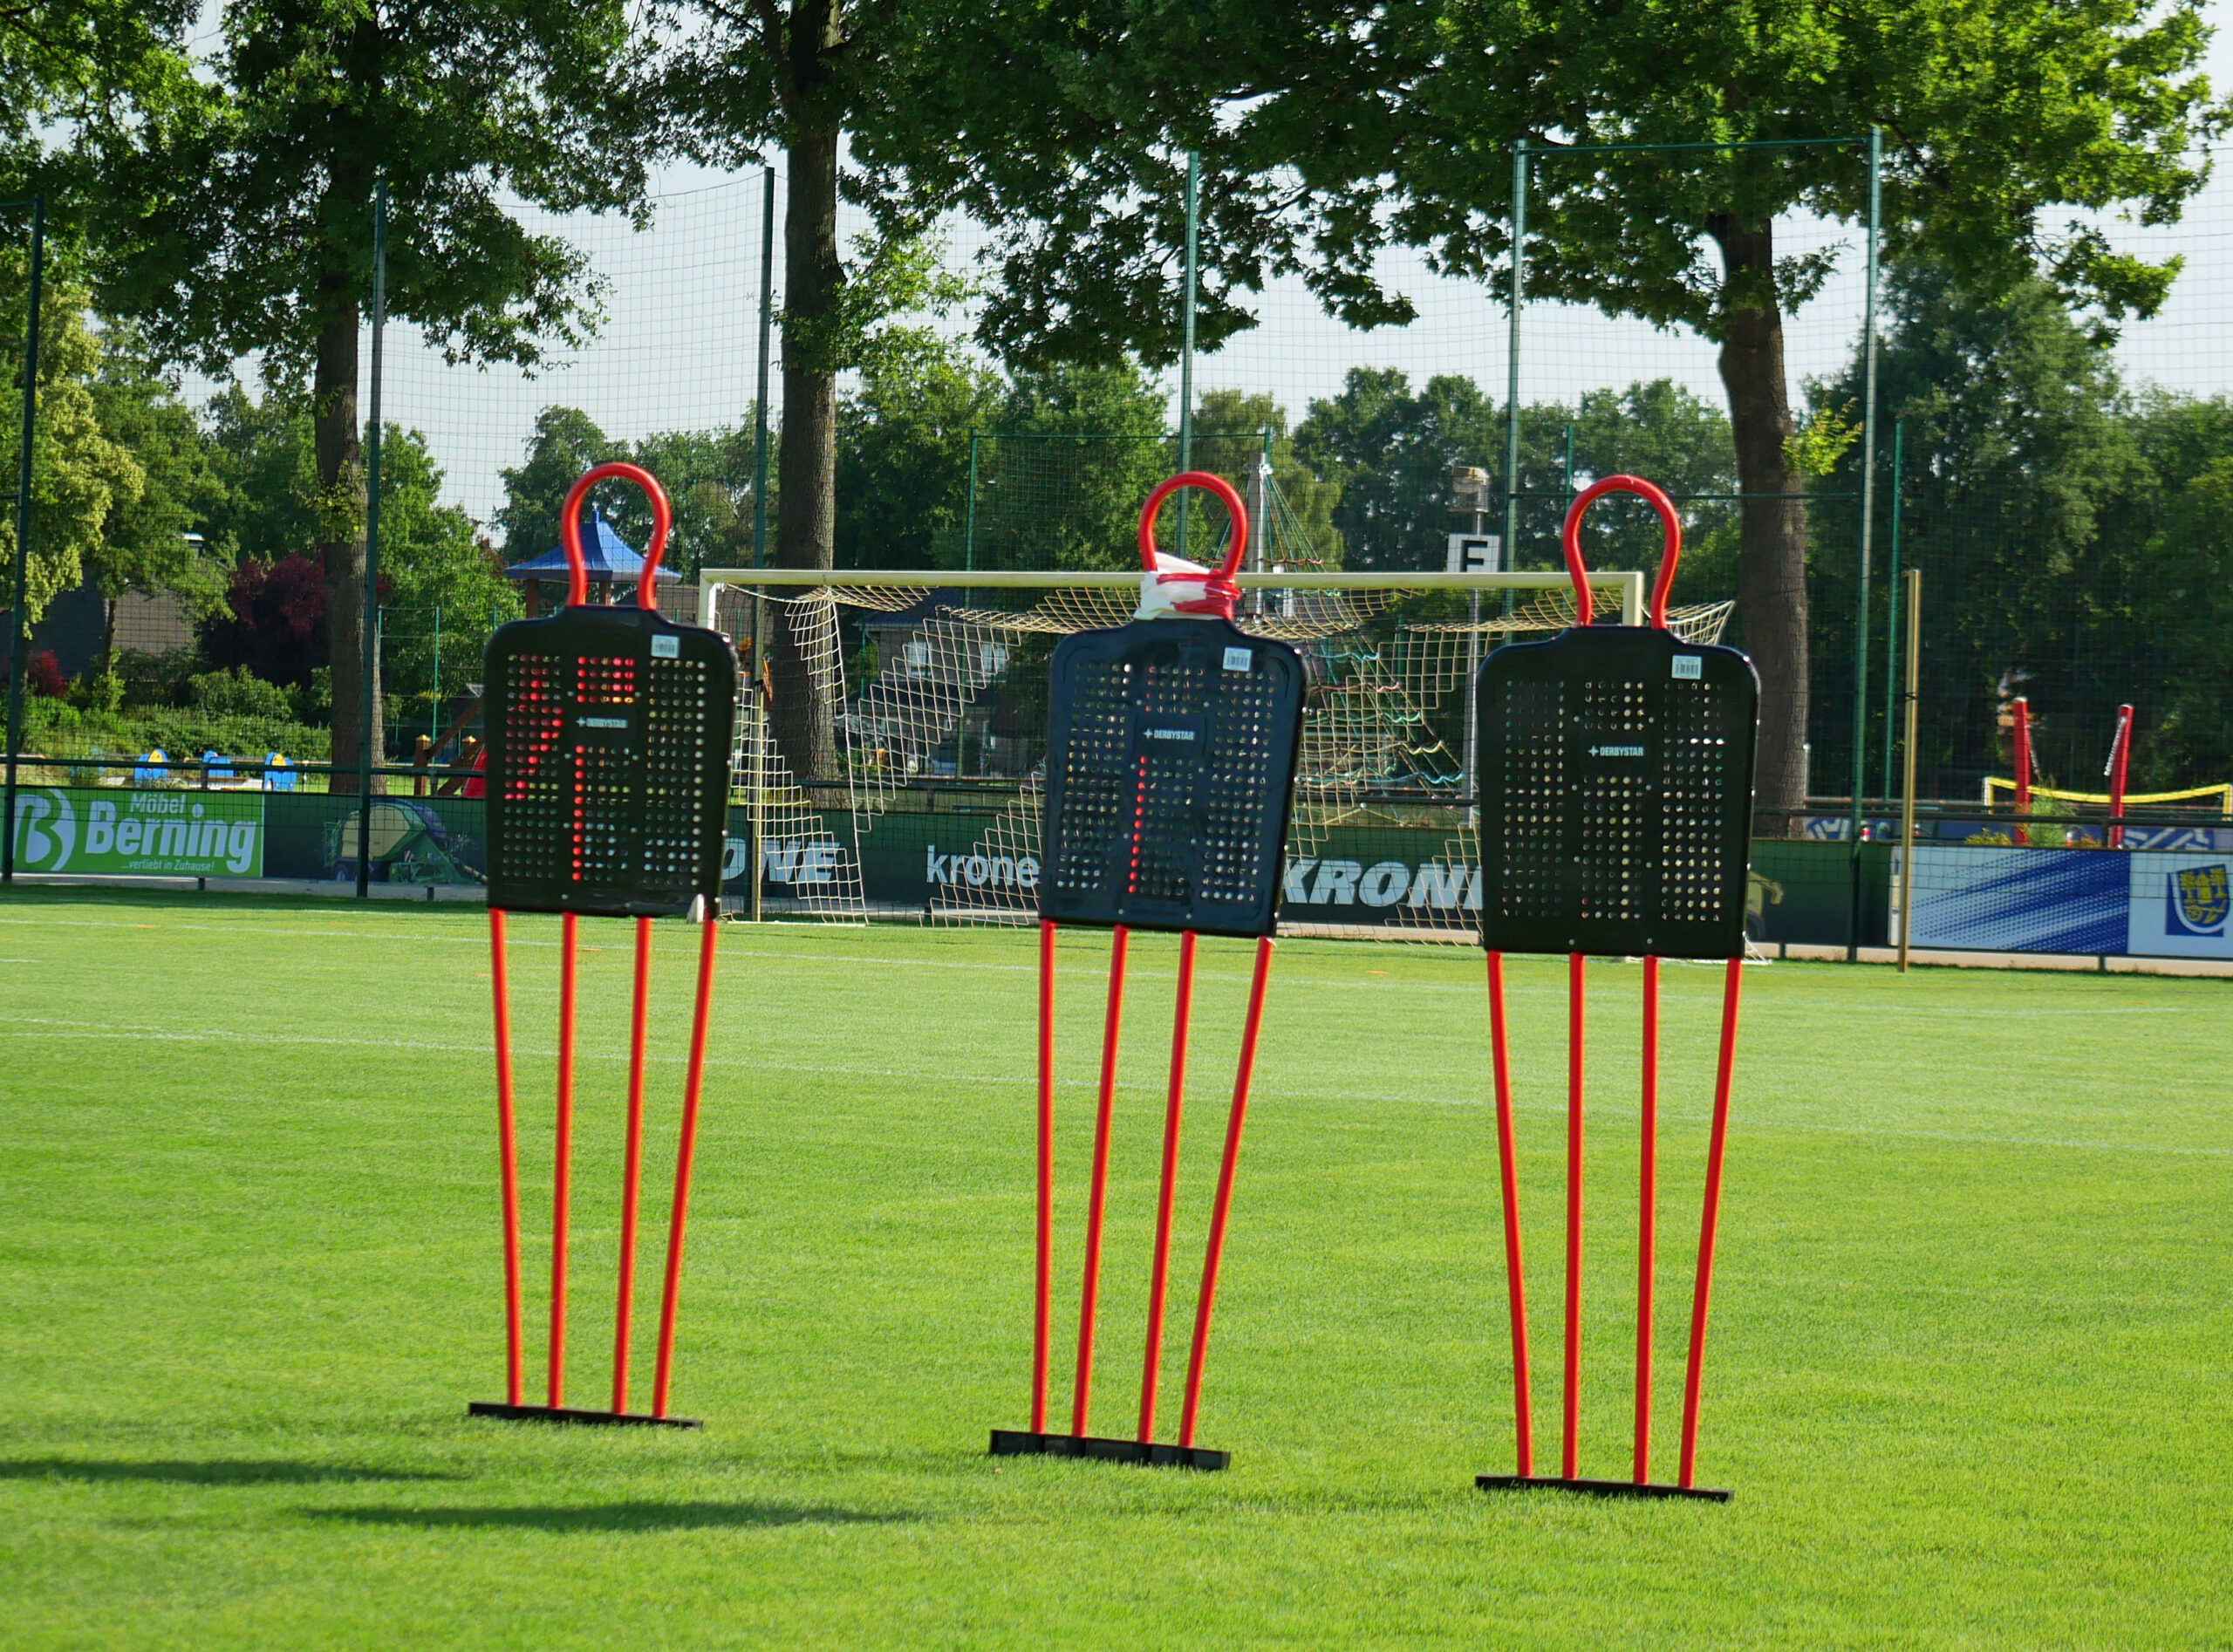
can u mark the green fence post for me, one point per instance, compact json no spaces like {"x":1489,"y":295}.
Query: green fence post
{"x":1867,"y":513}
{"x":368,"y":711}
{"x":1512,"y":378}
{"x":20,"y":633}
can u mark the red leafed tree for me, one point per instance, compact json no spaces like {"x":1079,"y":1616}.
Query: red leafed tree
{"x":273,"y":621}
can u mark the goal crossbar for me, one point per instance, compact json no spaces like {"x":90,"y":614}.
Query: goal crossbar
{"x":1628,"y":586}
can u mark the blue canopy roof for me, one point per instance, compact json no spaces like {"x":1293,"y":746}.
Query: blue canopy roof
{"x":604,"y":553}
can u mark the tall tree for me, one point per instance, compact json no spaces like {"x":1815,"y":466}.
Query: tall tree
{"x":1994,"y":112}
{"x":800,"y":78}
{"x":1329,"y":127}
{"x":243,"y":218}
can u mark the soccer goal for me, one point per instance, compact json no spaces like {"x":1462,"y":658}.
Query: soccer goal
{"x":891,"y":733}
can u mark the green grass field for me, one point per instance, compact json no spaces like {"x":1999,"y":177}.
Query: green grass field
{"x":1971,"y":1369}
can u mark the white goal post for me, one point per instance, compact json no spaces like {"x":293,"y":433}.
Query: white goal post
{"x":926,"y":734}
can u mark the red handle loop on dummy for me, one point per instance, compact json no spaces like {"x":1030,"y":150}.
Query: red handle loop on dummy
{"x":1571,"y":535}
{"x":569,"y":531}
{"x":1220,"y":593}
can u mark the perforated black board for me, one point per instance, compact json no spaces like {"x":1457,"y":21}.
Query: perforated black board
{"x":1170,"y":755}
{"x":1616,"y":792}
{"x":609,"y":739}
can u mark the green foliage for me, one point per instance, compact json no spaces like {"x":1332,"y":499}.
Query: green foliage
{"x":1393,"y":449}
{"x":2072,"y":540}
{"x":1079,"y":450}
{"x":903,"y":452}
{"x":80,"y":472}
{"x":244,"y":221}
{"x":55,"y":728}
{"x":706,"y":475}
{"x":144,"y":544}
{"x":1230,"y":427}
{"x":565,"y":443}
{"x":237,"y":693}
{"x":266,"y":471}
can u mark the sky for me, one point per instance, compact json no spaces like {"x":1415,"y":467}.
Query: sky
{"x":678,"y":346}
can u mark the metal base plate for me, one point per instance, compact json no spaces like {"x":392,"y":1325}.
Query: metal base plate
{"x":1021,"y":1443}
{"x":562,"y":1414}
{"x":1595,"y":1488}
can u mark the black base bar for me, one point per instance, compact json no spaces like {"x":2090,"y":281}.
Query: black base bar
{"x":1595,"y":1488}
{"x":562,"y":1414}
{"x":1021,"y":1443}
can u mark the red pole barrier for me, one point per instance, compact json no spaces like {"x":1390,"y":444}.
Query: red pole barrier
{"x":561,"y":1175}
{"x":2119,"y":758}
{"x":1711,"y":1219}
{"x":1089,"y":1294}
{"x":1647,"y":1217}
{"x":631,"y":1163}
{"x":1214,"y":1252}
{"x":1044,"y":1286}
{"x":509,"y":1161}
{"x":1508,"y":1170}
{"x":2023,"y":711}
{"x":1570,"y":1439}
{"x":693,"y":1082}
{"x":1160,"y":1278}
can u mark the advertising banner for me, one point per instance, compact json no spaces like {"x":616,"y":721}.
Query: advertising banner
{"x":166,"y":833}
{"x":2098,"y":902}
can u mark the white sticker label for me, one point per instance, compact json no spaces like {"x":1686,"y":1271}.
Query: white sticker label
{"x":671,"y":648}
{"x":1689,"y":666}
{"x":1239,"y":658}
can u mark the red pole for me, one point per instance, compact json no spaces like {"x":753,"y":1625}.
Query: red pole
{"x":1711,"y":1219}
{"x":1043,"y":1288}
{"x":1226,"y":1168}
{"x":1160,"y":1278}
{"x":1570,"y":1445}
{"x":2023,"y":709}
{"x":1647,"y":1217}
{"x":693,"y":1082}
{"x":561,"y":1175}
{"x":2119,"y":757}
{"x":509,"y":1161}
{"x":631,"y":1165}
{"x":1508,"y":1169}
{"x":1089,"y":1294}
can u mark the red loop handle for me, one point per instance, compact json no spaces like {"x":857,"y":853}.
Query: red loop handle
{"x":569,"y":531}
{"x":1571,"y":535}
{"x":1221,"y":580}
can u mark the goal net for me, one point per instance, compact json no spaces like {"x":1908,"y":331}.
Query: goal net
{"x":891,"y":734}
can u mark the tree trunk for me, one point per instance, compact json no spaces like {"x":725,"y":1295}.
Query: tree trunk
{"x":341,"y":513}
{"x":806,"y":490}
{"x":1772,"y":541}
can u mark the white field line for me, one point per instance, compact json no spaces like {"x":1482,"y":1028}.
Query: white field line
{"x":103,"y":1030}
{"x":1755,"y":1003}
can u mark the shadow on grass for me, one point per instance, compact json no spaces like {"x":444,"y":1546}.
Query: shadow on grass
{"x":613,"y":1517}
{"x":217,"y":1473}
